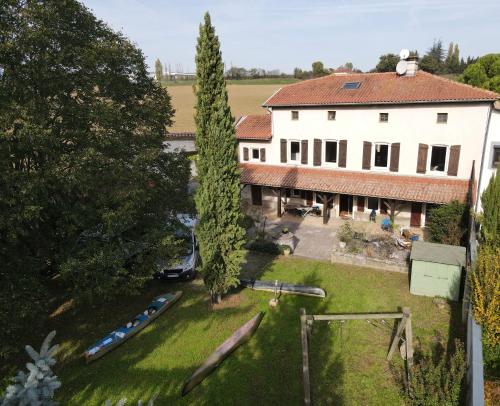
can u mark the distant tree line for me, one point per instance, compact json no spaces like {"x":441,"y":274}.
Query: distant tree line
{"x":318,"y":69}
{"x":235,"y":72}
{"x":436,"y":60}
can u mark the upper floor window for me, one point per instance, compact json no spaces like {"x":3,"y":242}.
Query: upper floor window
{"x":255,"y":154}
{"x":294,"y":150}
{"x":495,"y":162}
{"x":442,"y":118}
{"x":438,"y":158}
{"x":331,"y":115}
{"x":381,"y":155}
{"x":295,"y":115}
{"x":383,"y":117}
{"x":331,"y":151}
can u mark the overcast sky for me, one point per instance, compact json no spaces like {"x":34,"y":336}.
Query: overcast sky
{"x":286,"y":34}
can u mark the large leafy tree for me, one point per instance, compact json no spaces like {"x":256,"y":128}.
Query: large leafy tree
{"x":86,"y":187}
{"x":485,"y":73}
{"x":387,"y":63}
{"x":218,"y":195}
{"x":318,"y":69}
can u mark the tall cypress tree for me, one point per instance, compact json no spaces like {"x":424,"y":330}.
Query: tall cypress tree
{"x":218,"y":195}
{"x":158,"y":70}
{"x":490,"y":224}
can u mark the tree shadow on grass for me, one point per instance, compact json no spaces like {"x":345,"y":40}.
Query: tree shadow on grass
{"x":267,"y":370}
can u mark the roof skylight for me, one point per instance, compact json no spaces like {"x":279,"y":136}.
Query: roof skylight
{"x":351,"y":85}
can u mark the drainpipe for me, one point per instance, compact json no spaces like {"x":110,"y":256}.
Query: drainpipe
{"x":480,"y":179}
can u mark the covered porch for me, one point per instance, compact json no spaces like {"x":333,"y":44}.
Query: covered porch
{"x":329,"y":194}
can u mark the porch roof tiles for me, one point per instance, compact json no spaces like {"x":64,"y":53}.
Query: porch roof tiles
{"x":389,"y":186}
{"x":254,"y":127}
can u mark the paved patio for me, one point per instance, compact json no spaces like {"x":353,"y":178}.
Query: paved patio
{"x":313,"y":238}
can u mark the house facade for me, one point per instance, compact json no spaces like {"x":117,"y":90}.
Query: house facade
{"x":354,"y":143}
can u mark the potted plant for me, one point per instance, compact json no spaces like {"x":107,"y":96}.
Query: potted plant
{"x":286,"y":249}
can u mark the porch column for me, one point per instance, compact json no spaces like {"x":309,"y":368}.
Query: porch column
{"x":325,"y":208}
{"x":279,"y":202}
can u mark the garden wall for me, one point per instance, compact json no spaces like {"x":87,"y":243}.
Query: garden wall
{"x":361,"y":260}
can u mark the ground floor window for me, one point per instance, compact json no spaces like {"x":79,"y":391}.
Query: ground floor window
{"x":296,"y":193}
{"x":373,"y":203}
{"x":438,"y":158}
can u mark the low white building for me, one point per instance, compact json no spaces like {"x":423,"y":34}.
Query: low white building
{"x":374,"y":141}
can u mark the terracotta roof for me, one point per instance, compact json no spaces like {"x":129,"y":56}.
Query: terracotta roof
{"x":254,"y":127}
{"x":181,"y":135}
{"x":400,"y":187}
{"x":377,"y":88}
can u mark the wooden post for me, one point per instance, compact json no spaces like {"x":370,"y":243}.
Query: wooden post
{"x":399,"y":332}
{"x":305,"y":357}
{"x":279,"y":203}
{"x":409,"y":345}
{"x":357,"y":316}
{"x":325,"y":208}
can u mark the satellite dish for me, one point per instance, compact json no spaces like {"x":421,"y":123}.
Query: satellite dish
{"x":404,"y":53}
{"x":401,"y":67}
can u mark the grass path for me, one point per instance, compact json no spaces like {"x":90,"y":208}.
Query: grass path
{"x":348,"y":360}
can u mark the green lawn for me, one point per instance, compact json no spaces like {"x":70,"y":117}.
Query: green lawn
{"x":347,"y":361}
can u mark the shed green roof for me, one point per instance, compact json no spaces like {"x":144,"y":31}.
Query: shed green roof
{"x":438,"y":253}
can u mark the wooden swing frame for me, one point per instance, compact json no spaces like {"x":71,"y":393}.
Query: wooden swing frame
{"x":306,"y":323}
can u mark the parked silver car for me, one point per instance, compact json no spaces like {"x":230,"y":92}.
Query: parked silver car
{"x":183,"y":267}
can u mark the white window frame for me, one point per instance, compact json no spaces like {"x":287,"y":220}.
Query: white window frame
{"x":295,"y":161}
{"x":295,"y":193}
{"x":251,"y":154}
{"x":291,"y":115}
{"x":447,"y":158}
{"x":374,"y":149}
{"x":492,"y":154}
{"x":324,"y":153}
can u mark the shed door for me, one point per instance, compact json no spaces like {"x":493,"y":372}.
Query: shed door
{"x":256,"y":195}
{"x":416,"y":214}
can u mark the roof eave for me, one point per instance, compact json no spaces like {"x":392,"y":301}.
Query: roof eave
{"x":381,"y":102}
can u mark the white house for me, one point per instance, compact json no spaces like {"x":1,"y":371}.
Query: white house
{"x":491,"y":154}
{"x":374,"y":141}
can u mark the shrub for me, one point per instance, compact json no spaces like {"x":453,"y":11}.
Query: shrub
{"x":284,"y":247}
{"x":263,"y":245}
{"x":448,"y":224}
{"x":490,"y":219}
{"x":38,"y":385}
{"x":246,"y":221}
{"x":436,"y":379}
{"x":345,"y":233}
{"x":485,"y":284}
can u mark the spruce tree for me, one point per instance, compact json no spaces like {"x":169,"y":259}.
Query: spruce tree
{"x":218,"y":195}
{"x":490,"y":224}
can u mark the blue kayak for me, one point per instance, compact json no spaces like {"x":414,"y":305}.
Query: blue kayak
{"x":123,"y":333}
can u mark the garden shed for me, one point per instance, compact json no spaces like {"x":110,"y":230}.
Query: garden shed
{"x":436,"y":269}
